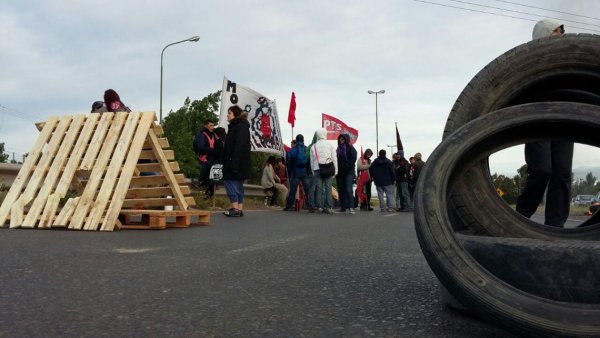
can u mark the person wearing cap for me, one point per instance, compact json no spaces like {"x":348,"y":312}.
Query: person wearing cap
{"x":98,"y":107}
{"x":548,"y":163}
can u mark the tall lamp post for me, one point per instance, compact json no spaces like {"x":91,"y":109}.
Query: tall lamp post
{"x":376,"y":119}
{"x":194,"y":38}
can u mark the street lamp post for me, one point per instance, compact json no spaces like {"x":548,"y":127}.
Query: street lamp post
{"x":194,"y":38}
{"x":376,"y":119}
{"x":392,"y":146}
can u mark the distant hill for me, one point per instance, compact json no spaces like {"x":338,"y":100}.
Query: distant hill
{"x":581,"y":172}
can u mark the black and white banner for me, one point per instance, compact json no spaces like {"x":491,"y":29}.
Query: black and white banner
{"x":265,"y":132}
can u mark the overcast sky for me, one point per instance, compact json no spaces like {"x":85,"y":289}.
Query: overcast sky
{"x":57,"y":57}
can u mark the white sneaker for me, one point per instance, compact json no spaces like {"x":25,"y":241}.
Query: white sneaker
{"x":351,"y":211}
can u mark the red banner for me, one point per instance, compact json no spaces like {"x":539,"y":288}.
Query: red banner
{"x":335,"y":128}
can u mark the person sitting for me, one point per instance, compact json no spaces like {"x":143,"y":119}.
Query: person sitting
{"x":270,"y":181}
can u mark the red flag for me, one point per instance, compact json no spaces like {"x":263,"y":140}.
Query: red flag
{"x":336,"y":127}
{"x":363,"y":178}
{"x":292,"y":113}
{"x":398,"y":142}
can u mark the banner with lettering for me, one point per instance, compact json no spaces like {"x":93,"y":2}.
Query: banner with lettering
{"x":335,"y":127}
{"x":265,"y":132}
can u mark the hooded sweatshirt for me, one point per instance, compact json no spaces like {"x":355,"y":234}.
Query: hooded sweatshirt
{"x":382,"y":171}
{"x":347,"y":156}
{"x":323,"y":150}
{"x":544,"y":28}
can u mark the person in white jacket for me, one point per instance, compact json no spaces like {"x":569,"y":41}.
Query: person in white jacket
{"x":323,"y":152}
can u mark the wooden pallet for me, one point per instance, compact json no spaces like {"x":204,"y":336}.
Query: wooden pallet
{"x":159,"y":219}
{"x":99,"y":159}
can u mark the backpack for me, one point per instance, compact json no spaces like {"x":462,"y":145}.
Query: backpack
{"x":300,"y":159}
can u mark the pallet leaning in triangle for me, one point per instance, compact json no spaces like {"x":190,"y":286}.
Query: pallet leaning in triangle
{"x":83,"y":171}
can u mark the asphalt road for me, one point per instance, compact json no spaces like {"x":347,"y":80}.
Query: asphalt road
{"x":268,"y":274}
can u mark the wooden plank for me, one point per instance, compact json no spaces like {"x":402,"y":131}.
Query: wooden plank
{"x":155,"y":180}
{"x":111,"y":177}
{"x":166,"y":169}
{"x":138,"y":203}
{"x":23,"y":175}
{"x":164,"y":143}
{"x":134,"y":149}
{"x":69,"y":179}
{"x":40,"y":171}
{"x":95,"y":178}
{"x":154,"y":192}
{"x":106,"y":121}
{"x":49,"y":213}
{"x":167,"y":213}
{"x":158,"y":129}
{"x":155,"y":167}
{"x":66,"y":213}
{"x":149,"y":155}
{"x":54,"y":172}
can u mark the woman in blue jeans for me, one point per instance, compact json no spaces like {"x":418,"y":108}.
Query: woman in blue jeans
{"x":322,"y":152}
{"x":236,"y":159}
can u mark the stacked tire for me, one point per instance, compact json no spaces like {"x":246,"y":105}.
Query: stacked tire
{"x":547,"y":88}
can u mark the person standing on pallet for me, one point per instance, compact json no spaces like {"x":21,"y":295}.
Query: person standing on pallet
{"x":204,"y":147}
{"x":236,"y":159}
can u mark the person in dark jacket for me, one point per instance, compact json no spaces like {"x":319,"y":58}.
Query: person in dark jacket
{"x":346,"y":157}
{"x":204,"y":148}
{"x":236,"y":159}
{"x":382,"y":173}
{"x":297,"y":160}
{"x":402,"y":177}
{"x":220,"y":135}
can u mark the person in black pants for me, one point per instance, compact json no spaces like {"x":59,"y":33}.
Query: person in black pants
{"x":548,"y":163}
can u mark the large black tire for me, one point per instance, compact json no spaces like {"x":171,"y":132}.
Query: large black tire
{"x":466,"y":279}
{"x":563,"y":68}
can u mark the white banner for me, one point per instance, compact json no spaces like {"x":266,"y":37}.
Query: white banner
{"x":265,"y":132}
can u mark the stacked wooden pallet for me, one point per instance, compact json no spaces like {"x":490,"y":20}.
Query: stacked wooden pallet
{"x":83,"y":171}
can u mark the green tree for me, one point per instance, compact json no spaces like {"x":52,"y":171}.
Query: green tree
{"x":180,"y":127}
{"x":3,"y":156}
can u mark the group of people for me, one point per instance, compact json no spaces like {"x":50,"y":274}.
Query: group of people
{"x":306,"y":167}
{"x":230,"y":149}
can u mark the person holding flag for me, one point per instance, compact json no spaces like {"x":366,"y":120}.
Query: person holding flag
{"x":363,"y":185}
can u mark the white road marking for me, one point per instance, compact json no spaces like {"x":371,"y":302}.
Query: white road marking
{"x":134,"y":250}
{"x":266,"y":245}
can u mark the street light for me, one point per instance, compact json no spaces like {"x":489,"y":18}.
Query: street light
{"x":376,"y":119}
{"x":194,"y":38}
{"x":392,"y":146}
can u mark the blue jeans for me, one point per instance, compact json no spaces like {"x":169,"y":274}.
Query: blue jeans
{"x":312,"y":189}
{"x":389,"y":195}
{"x":294,"y":180}
{"x":403,"y":195}
{"x":344,"y":183}
{"x":235,"y":190}
{"x":324,"y":199}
